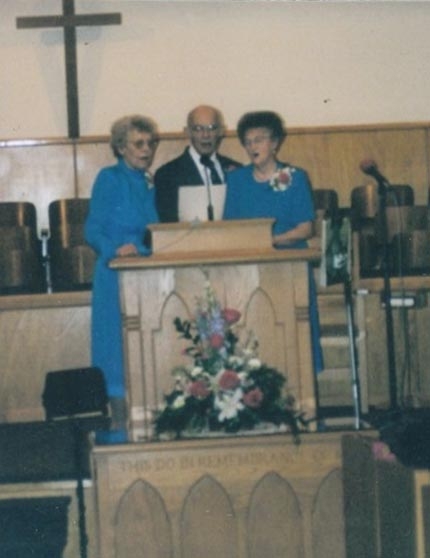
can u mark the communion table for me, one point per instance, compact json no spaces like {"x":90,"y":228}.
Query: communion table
{"x":232,"y":497}
{"x":269,"y":287}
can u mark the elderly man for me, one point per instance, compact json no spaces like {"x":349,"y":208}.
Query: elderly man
{"x":199,"y":164}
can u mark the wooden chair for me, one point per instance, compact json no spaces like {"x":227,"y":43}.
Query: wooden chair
{"x":364,"y":204}
{"x":20,"y":259}
{"x":365,"y":219}
{"x":408,"y":229}
{"x":72,"y":259}
{"x":400,"y":195}
{"x":325,"y":198}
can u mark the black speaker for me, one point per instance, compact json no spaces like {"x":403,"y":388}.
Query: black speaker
{"x":76,"y":393}
{"x":41,"y":452}
{"x":33,"y":527}
{"x":78,"y":398}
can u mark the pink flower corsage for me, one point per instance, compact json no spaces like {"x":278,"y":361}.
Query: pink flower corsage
{"x":282,"y":179}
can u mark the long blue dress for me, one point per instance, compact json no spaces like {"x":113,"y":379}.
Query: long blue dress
{"x":122,"y":205}
{"x":248,"y":199}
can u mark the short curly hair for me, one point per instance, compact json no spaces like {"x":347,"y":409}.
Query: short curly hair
{"x":121,"y":127}
{"x":261,"y":119}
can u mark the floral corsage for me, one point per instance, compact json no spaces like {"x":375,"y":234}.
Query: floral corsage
{"x":149,"y":180}
{"x":282,"y":179}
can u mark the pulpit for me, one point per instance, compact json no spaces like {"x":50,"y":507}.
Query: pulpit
{"x":269,"y":287}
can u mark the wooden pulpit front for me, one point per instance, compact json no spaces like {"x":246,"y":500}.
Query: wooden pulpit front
{"x":269,"y":287}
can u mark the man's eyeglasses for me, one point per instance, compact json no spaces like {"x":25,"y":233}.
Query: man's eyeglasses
{"x":210,"y":129}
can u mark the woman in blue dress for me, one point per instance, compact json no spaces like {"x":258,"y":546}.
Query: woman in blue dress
{"x":267,"y":188}
{"x":122,"y":205}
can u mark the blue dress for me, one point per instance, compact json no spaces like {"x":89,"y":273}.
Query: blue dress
{"x":122,"y":205}
{"x":248,"y":199}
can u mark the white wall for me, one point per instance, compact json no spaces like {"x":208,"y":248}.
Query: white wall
{"x":317,"y":63}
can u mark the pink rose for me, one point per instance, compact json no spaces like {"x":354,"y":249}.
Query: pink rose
{"x":230,"y":315}
{"x":229,"y":380}
{"x":216,"y":340}
{"x":253,"y":398}
{"x":199,"y":389}
{"x":284,"y":177}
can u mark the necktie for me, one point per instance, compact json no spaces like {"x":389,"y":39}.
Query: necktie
{"x":209,"y":164}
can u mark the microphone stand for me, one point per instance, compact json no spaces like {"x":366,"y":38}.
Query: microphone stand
{"x":405,"y":433}
{"x":44,"y":238}
{"x":386,"y":296}
{"x":210,"y":208}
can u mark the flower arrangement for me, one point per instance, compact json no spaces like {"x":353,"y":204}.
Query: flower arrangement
{"x":226,"y":388}
{"x":282,"y":178}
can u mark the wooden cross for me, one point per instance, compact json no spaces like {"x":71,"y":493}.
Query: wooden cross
{"x":69,"y":21}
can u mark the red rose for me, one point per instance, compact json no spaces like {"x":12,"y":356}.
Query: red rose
{"x":216,"y":340}
{"x":284,"y":177}
{"x":253,"y":398}
{"x":229,"y":380}
{"x":230,"y":315}
{"x":199,"y":389}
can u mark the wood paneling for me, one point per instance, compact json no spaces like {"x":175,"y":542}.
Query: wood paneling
{"x":412,"y":351}
{"x":41,"y":171}
{"x":38,"y":174}
{"x":39,"y":334}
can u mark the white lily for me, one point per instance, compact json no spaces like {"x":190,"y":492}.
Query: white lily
{"x":254,"y":363}
{"x":178,"y":402}
{"x":196,"y":371}
{"x":229,"y":405}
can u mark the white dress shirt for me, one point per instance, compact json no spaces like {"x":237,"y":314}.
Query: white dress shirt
{"x":204,"y":171}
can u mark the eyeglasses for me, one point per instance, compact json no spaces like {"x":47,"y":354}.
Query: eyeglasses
{"x":258,"y":140}
{"x":210,"y":128}
{"x":152,"y":144}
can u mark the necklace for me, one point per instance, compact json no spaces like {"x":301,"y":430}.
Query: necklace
{"x":263,"y":175}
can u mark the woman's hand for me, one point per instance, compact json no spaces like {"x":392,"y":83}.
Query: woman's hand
{"x":126,"y":250}
{"x":303,"y":231}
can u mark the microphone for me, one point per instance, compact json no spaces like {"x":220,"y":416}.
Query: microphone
{"x":368,"y":166}
{"x":208,"y":164}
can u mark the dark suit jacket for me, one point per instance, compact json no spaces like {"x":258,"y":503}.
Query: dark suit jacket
{"x":180,"y":172}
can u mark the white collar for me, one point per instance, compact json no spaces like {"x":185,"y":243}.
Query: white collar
{"x":195,"y":155}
